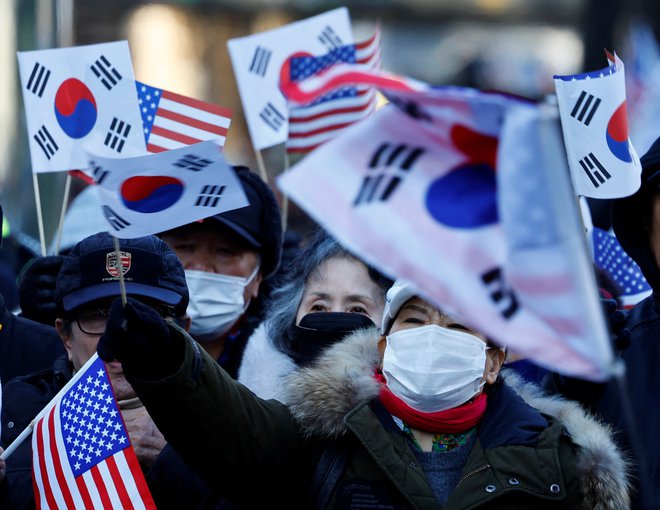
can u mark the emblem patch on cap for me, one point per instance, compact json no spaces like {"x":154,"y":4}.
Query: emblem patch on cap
{"x":111,"y":265}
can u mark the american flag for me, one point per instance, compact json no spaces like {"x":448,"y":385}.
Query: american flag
{"x":313,"y":124}
{"x":171,"y":120}
{"x":623,"y":270}
{"x":82,"y":456}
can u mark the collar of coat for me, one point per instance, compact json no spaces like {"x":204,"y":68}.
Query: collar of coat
{"x":320,"y":397}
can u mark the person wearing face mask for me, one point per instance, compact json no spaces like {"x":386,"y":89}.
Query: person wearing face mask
{"x":228,"y":259}
{"x":325,"y":294}
{"x":414,"y":416}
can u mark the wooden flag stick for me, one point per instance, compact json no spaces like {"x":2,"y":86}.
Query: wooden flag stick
{"x":261,"y":166}
{"x":120,"y":269}
{"x":285,"y":197}
{"x":40,"y":219}
{"x":65,"y":202}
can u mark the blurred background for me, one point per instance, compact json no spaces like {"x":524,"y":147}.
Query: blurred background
{"x":509,"y":45}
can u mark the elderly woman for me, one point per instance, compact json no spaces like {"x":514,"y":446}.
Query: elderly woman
{"x":415,"y":417}
{"x":326,"y":293}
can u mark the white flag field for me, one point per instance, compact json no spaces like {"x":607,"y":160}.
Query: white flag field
{"x":258,"y":60}
{"x":414,"y":191}
{"x":592,"y":106}
{"x":77,"y":99}
{"x":150,"y":194}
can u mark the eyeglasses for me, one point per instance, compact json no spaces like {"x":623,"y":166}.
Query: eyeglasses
{"x":93,"y":321}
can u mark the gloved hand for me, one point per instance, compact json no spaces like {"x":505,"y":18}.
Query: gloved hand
{"x":36,"y":289}
{"x":616,"y":321}
{"x":138,"y":337}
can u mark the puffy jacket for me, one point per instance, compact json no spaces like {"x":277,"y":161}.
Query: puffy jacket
{"x":545,"y":453}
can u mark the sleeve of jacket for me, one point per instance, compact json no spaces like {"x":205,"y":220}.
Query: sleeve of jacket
{"x":224,"y":432}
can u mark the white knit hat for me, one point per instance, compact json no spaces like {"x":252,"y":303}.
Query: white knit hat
{"x":396,"y":297}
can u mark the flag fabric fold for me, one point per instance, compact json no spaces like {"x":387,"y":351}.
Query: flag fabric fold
{"x":315,"y":123}
{"x":415,"y":189}
{"x":158,"y":192}
{"x":77,"y":99}
{"x":259,"y":60}
{"x":594,"y":119}
{"x":82,"y":456}
{"x":172,"y":120}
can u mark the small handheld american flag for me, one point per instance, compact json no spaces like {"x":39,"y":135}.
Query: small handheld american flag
{"x":81,"y":454}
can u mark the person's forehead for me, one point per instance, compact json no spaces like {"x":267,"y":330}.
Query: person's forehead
{"x":209,"y":232}
{"x":342,"y":276}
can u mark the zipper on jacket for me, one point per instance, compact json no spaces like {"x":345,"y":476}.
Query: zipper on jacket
{"x":473,"y":472}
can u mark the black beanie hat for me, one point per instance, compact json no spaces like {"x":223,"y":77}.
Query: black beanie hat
{"x":258,"y":224}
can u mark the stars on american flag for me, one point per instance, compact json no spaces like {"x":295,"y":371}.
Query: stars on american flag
{"x":91,"y":423}
{"x":305,"y":66}
{"x":148,"y":98}
{"x":610,"y":256}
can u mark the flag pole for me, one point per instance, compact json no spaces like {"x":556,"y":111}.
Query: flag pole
{"x":261,"y":166}
{"x":285,"y":197}
{"x":65,"y":203}
{"x":122,"y":283}
{"x":40,"y":219}
{"x":28,"y":430}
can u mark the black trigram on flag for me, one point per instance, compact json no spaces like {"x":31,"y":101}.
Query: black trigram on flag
{"x":502,"y":296}
{"x":192,"y":162}
{"x":117,"y":134}
{"x":272,"y":116}
{"x":38,"y":79}
{"x":395,"y":159}
{"x":116,"y":221}
{"x":106,"y":72}
{"x":46,"y":142}
{"x":98,"y":172}
{"x":412,"y":108}
{"x":260,"y":59}
{"x":594,"y":170}
{"x":329,"y":38}
{"x":585,"y":108}
{"x":210,"y":195}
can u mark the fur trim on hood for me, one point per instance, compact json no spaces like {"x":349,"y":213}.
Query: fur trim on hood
{"x":321,"y":395}
{"x":263,"y":366}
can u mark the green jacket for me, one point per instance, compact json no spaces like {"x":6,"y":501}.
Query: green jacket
{"x":261,"y":453}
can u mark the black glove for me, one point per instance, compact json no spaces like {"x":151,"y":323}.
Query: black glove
{"x":616,"y":320}
{"x":138,"y":337}
{"x":36,"y":289}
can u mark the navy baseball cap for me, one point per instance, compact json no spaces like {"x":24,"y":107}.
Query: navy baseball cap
{"x":91,"y":272}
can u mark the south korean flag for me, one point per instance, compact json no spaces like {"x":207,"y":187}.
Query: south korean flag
{"x":260,"y":61}
{"x":150,"y":194}
{"x":594,"y":120}
{"x":80,"y":97}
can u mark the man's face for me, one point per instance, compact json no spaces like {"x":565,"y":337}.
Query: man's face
{"x":655,"y":229}
{"x":205,"y":247}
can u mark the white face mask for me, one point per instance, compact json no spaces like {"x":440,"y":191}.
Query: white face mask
{"x":432,"y":368}
{"x":216,"y":302}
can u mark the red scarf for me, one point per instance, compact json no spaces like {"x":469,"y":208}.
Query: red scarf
{"x":457,"y":419}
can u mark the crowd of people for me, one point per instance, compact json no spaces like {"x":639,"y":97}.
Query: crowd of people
{"x":248,"y":375}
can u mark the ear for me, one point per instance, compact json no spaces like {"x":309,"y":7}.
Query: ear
{"x":253,"y":287}
{"x":64,"y":335}
{"x":382,"y":343}
{"x":494,"y":359}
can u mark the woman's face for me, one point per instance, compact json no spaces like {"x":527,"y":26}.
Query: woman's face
{"x":416,"y":313}
{"x":342,"y":284}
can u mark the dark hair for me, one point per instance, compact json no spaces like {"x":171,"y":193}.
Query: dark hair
{"x":285,"y":299}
